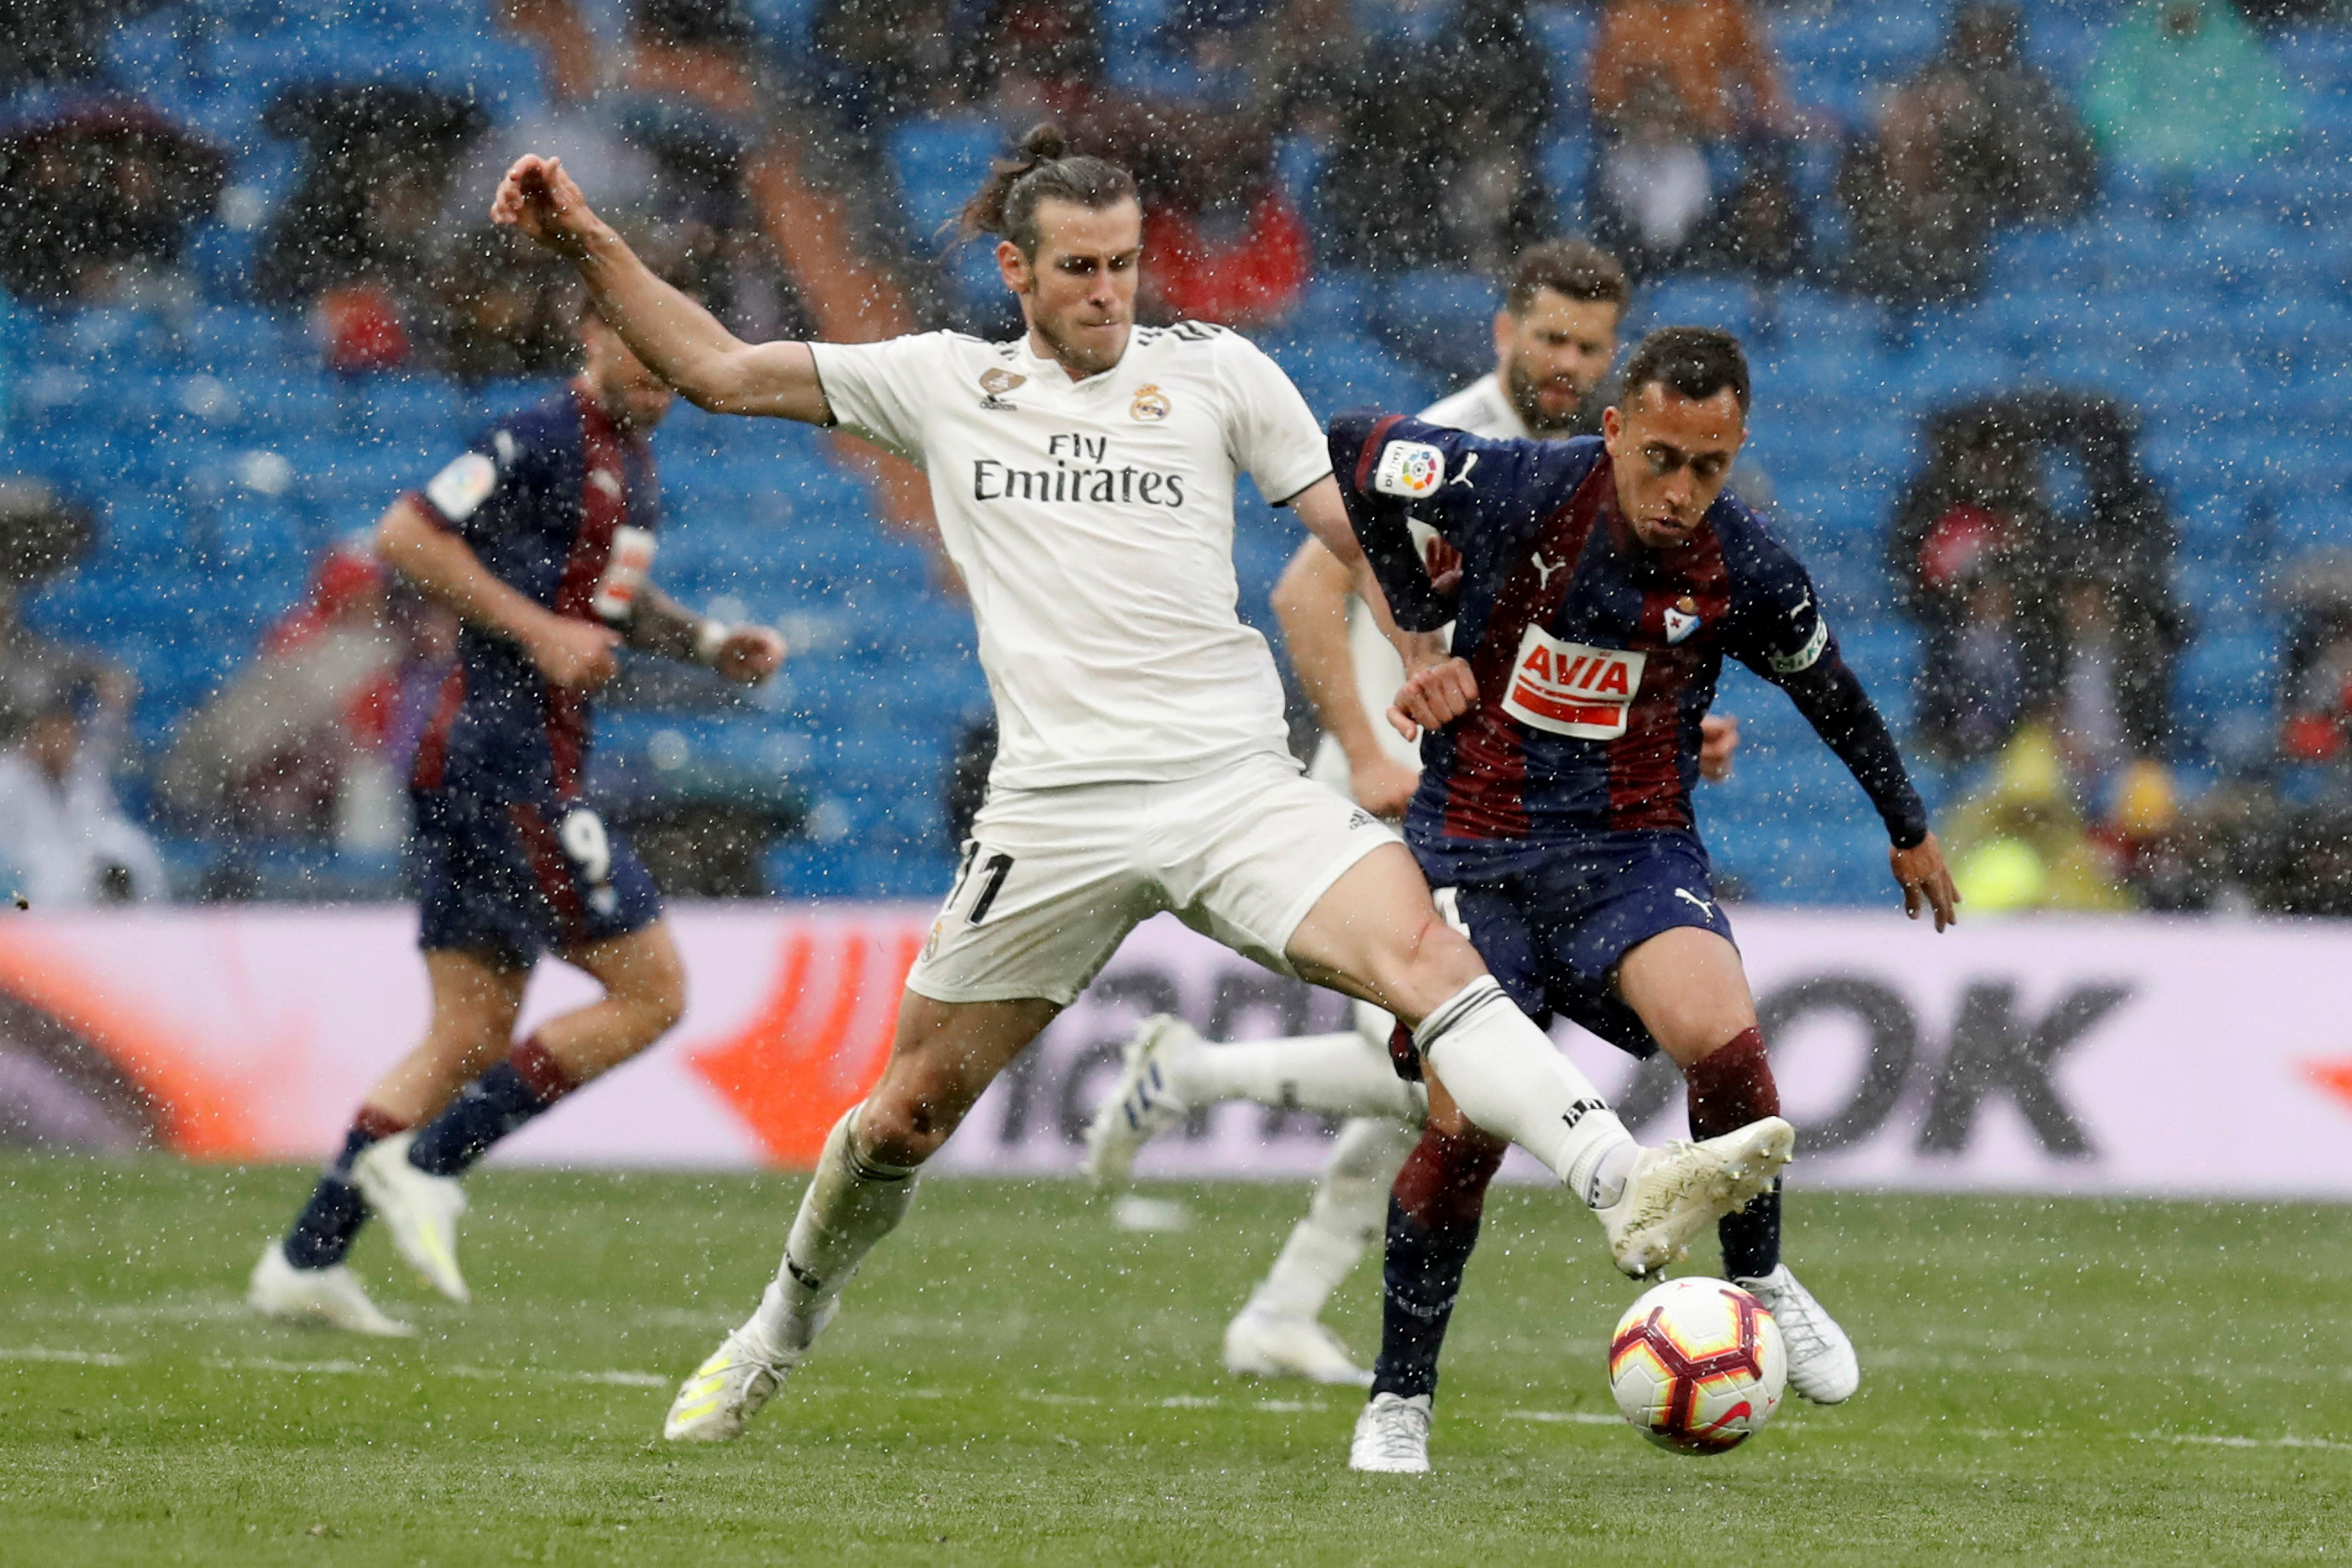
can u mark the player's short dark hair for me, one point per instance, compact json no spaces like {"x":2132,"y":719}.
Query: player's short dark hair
{"x":1044,"y":170}
{"x":1696,"y":361}
{"x":1574,"y":267}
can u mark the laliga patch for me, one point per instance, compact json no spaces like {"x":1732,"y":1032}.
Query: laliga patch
{"x":1410,"y":468}
{"x":1571,"y":689}
{"x":461,"y":489}
{"x":1807,"y":656}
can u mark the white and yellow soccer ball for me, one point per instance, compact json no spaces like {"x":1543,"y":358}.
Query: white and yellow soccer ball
{"x":1698,"y":1365}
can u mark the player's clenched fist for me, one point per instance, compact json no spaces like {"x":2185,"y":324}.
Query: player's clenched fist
{"x":539,"y":198}
{"x":1433,"y":698}
{"x":578,"y":655}
{"x":1719,"y":737}
{"x":748,"y":655}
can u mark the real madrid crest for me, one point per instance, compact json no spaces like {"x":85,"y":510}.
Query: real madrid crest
{"x":995,"y":384}
{"x":1151,"y":405}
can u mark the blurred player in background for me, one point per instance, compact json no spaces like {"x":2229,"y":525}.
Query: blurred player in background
{"x":1555,"y":339}
{"x":1084,"y":479}
{"x":540,"y":538}
{"x":1602,"y":583}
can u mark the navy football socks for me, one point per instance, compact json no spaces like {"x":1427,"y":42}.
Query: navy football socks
{"x":1729,"y":1088}
{"x":330,"y":1222}
{"x":1419,"y":1279}
{"x":490,"y":1108}
{"x":1751,"y":1237}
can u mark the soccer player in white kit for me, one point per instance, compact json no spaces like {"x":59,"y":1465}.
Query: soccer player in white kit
{"x":1083,"y":478}
{"x":1555,"y":340}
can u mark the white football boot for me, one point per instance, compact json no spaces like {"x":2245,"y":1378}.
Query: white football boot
{"x":1261,"y":1344}
{"x":421,"y":1211}
{"x":1142,"y":1105}
{"x":731,"y":1385}
{"x":1392,"y":1436}
{"x":1822,"y":1364}
{"x":1677,"y":1191}
{"x":328,"y":1296}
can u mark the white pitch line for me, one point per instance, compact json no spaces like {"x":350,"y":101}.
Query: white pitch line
{"x":2218,"y":1440}
{"x":72,"y":1357}
{"x":1566,"y":1418}
{"x":296,"y":1368}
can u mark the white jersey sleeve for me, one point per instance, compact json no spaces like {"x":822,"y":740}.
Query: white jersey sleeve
{"x":879,"y":390}
{"x":1270,"y":433}
{"x":1482,"y":408}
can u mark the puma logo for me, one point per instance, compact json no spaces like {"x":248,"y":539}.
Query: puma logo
{"x":1706,"y":906}
{"x":1462,"y":475}
{"x":1544,"y":570}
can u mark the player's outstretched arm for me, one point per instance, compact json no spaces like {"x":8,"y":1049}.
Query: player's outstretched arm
{"x":663,"y":627}
{"x":1325,"y":516}
{"x":568,"y":652}
{"x":1311,"y":603}
{"x":679,"y":340}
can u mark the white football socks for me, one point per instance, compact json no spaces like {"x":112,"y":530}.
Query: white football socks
{"x":1349,"y":1211}
{"x":1339,"y":1074}
{"x":851,"y":1203}
{"x":1508,"y":1078}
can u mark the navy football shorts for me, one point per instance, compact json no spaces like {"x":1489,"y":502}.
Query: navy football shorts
{"x":1553,"y":935}
{"x":519,"y":879}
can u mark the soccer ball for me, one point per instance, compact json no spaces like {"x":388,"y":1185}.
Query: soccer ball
{"x":1698,"y":1365}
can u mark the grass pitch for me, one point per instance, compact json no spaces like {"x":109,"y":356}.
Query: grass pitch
{"x":1015,"y":1380}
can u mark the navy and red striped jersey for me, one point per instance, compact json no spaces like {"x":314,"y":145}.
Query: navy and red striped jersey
{"x":1595,"y":655}
{"x":561,"y":505}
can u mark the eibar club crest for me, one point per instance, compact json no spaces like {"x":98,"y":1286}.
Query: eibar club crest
{"x":1151,"y":405}
{"x":1682,"y":618}
{"x":993,"y":384}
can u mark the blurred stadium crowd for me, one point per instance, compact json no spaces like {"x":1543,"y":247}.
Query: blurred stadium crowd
{"x":2050,"y":305}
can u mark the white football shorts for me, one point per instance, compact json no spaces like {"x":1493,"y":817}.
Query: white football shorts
{"x":1053,"y":880}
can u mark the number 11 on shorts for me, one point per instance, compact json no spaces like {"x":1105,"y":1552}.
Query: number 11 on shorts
{"x":993,"y":873}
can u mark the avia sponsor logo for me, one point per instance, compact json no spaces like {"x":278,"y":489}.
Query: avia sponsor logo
{"x":1568,"y":689}
{"x":1078,"y":469}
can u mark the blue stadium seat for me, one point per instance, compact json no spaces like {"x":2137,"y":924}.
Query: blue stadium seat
{"x":1336,"y":302}
{"x":941,"y":163}
{"x":1727,"y":303}
{"x":1442,"y":318}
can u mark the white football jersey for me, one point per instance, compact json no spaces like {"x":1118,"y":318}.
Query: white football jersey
{"x":1482,"y":408}
{"x":1093,"y":522}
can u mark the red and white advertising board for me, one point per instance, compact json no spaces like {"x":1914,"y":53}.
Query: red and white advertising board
{"x":2103,"y":1055}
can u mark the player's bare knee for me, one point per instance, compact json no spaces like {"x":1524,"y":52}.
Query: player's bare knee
{"x":1433,"y":962}
{"x":896,"y":1130}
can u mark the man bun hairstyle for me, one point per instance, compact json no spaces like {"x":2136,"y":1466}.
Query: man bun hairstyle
{"x":1696,"y":361}
{"x":1044,"y":170}
{"x":1573,"y":267}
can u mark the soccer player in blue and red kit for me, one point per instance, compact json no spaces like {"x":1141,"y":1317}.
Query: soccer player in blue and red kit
{"x":1603,"y":581}
{"x":540,"y":537}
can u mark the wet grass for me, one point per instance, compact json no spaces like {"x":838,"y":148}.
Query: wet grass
{"x":1015,"y":1380}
